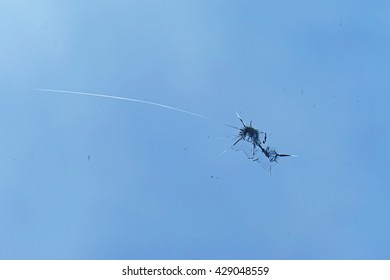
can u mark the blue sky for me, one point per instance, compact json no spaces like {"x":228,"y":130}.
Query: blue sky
{"x":93,"y":178}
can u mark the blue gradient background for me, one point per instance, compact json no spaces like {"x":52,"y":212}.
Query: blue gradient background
{"x":92,"y":178}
